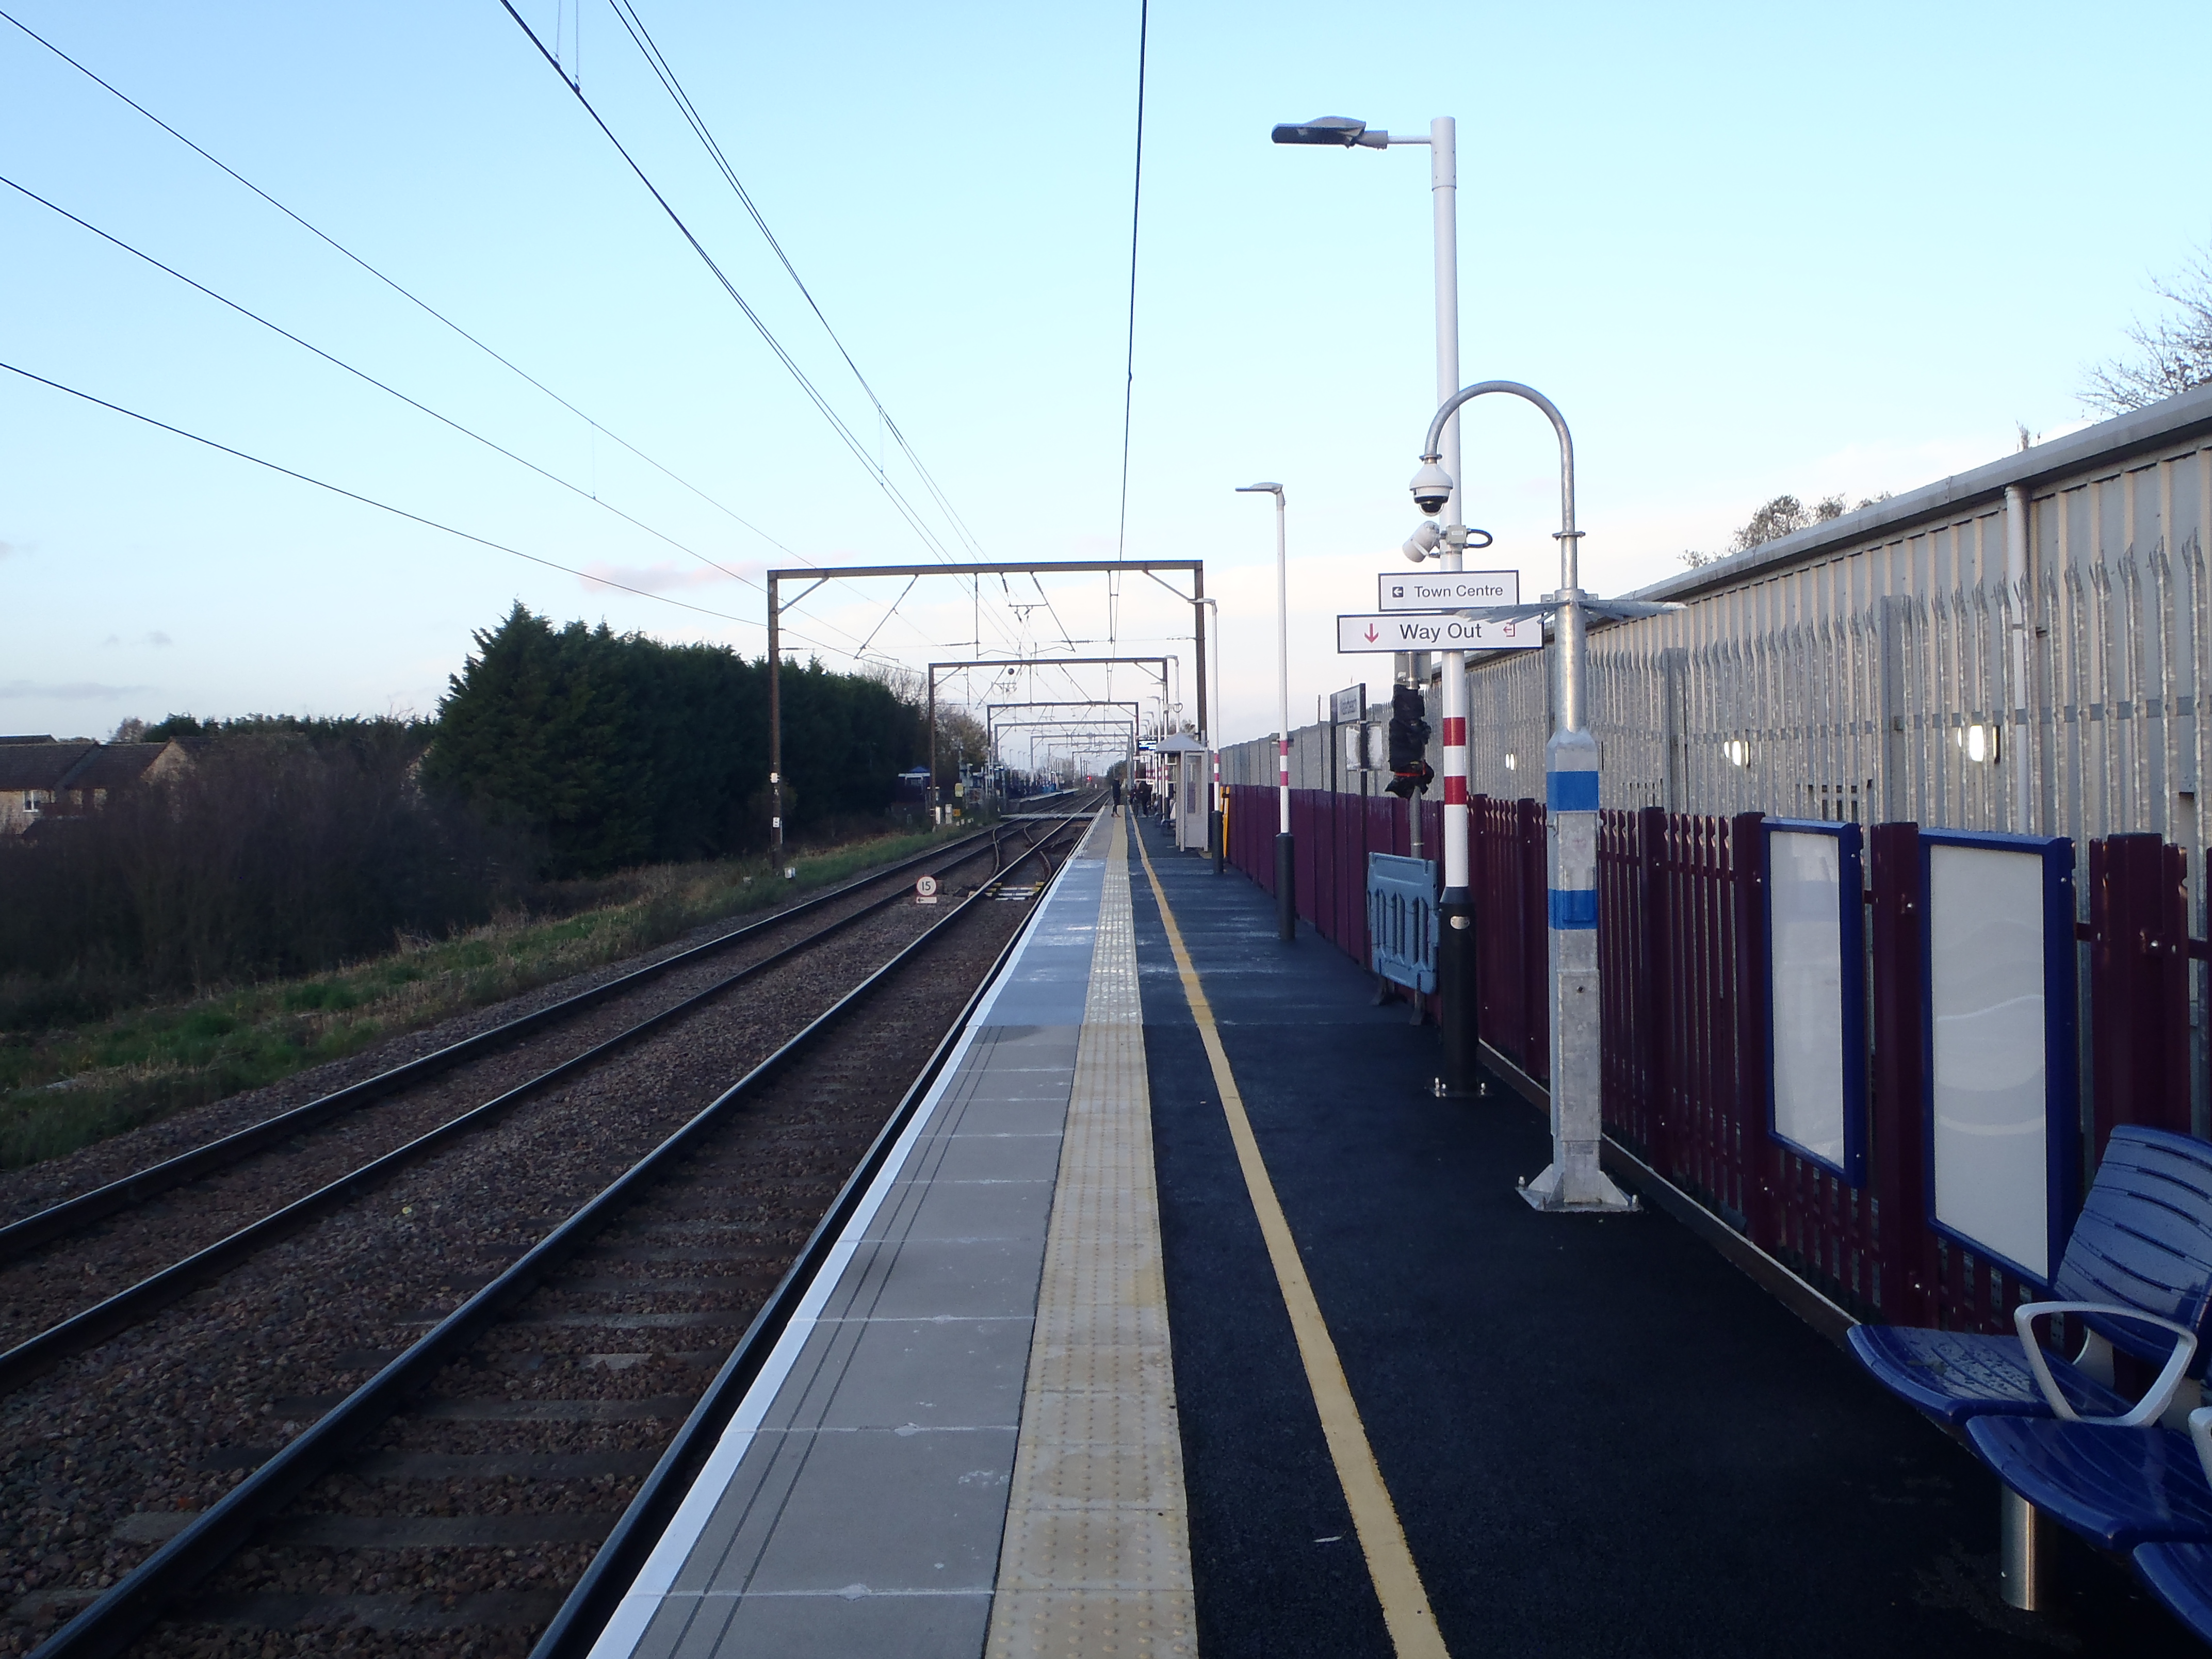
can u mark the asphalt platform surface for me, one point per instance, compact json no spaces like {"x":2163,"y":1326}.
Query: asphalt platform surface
{"x":1601,"y":1438}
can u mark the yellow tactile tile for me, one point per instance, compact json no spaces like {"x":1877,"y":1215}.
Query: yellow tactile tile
{"x":1096,"y":1555}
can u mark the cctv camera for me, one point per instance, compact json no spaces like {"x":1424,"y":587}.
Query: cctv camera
{"x":1432,"y":487}
{"x":1422,"y":544}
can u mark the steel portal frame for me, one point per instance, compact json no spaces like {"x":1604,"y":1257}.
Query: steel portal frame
{"x":815,"y":575}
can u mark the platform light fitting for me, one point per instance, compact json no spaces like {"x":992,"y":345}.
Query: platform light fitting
{"x":1340,"y":130}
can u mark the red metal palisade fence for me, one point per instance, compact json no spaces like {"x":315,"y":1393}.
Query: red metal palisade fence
{"x":1684,"y":1017}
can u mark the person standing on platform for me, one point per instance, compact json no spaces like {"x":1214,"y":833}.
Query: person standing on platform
{"x":1117,"y":797}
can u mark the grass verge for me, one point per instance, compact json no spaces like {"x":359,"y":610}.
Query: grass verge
{"x":70,"y":1085}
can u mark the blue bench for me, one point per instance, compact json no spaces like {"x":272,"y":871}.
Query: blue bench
{"x":2180,"y":1575}
{"x":2148,"y":1490}
{"x":2117,"y":1486}
{"x":2137,"y":1274}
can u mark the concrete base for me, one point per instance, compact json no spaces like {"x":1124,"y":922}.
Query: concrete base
{"x":1589,"y":1193}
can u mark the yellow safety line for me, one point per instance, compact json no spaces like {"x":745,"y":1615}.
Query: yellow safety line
{"x":1397,"y":1581}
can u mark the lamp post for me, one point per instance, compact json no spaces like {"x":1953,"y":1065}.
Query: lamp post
{"x":1286,"y":869}
{"x":1213,"y":748}
{"x":1455,"y":957}
{"x":1574,"y":1182}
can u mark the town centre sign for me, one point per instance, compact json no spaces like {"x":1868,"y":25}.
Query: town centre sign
{"x":1447,"y":590}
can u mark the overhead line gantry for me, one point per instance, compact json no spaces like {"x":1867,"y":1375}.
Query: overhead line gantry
{"x":814,"y":576}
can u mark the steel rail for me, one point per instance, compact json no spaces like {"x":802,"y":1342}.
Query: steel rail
{"x":91,"y":1326}
{"x":126,"y":1608}
{"x":623,"y":1553}
{"x":20,"y":1237}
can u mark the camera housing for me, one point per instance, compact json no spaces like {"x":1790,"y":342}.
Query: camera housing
{"x":1422,"y":544}
{"x":1432,"y":488}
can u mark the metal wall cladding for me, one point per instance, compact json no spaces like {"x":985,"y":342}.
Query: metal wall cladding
{"x":1899,"y":677}
{"x":1904,"y":678}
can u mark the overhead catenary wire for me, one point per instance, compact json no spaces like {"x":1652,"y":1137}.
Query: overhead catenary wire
{"x":386,"y":507}
{"x":1136,"y":211}
{"x":404,"y":292}
{"x":814,"y":393}
{"x":364,"y":375}
{"x":626,"y":13}
{"x":665,"y":72}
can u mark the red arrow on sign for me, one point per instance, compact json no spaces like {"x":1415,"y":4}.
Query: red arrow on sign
{"x":1371,"y":634}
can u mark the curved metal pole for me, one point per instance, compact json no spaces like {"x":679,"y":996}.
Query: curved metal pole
{"x":1575,"y":1181}
{"x":1433,"y":450}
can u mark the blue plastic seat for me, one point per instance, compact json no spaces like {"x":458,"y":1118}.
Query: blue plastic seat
{"x":1953,"y":1376}
{"x":2118,"y":1487}
{"x":2138,"y":1273}
{"x":2180,"y":1576}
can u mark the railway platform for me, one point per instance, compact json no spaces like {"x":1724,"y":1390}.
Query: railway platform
{"x":1185,"y":1319}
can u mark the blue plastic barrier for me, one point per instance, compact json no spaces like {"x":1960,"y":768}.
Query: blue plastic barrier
{"x":1402,"y":920}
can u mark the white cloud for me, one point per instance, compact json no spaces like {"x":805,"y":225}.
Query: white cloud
{"x":652,"y":579}
{"x":68,"y":690}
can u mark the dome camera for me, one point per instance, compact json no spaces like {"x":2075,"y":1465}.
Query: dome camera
{"x":1432,"y":488}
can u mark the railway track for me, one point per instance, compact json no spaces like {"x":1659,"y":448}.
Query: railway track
{"x":25,"y":1235}
{"x":218,"y":1387}
{"x":271,"y":1183}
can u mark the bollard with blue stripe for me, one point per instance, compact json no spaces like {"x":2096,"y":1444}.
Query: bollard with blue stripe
{"x":1574,"y":1181}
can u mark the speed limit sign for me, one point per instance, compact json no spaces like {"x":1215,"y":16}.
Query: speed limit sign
{"x":924,"y":890}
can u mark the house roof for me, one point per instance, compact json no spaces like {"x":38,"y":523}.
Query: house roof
{"x":113,"y":766}
{"x":47,"y":737}
{"x":40,"y":765}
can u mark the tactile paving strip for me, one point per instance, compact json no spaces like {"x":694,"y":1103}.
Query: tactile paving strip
{"x":1096,"y":1554}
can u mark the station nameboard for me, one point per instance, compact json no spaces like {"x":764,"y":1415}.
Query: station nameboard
{"x":1447,"y":590}
{"x":1434,"y":633}
{"x":1347,"y":705}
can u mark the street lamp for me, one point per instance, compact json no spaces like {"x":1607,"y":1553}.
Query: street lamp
{"x":1213,"y":746}
{"x":1455,"y":946}
{"x":1286,"y":871}
{"x":1574,"y":1181}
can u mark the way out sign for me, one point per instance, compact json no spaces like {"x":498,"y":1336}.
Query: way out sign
{"x":1437,"y":634}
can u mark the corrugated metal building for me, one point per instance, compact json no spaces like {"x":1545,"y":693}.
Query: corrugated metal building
{"x":2015,"y":647}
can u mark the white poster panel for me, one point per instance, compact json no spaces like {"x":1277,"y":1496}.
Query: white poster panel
{"x":1805,"y":884}
{"x":1985,"y":989}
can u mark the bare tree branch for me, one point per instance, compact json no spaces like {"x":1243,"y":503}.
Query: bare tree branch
{"x":2172,"y":356}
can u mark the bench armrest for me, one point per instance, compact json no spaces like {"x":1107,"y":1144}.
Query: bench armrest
{"x":2200,"y":1431}
{"x":2152,"y":1405}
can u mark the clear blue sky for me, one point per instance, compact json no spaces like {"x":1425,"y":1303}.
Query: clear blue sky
{"x":1747,"y":249}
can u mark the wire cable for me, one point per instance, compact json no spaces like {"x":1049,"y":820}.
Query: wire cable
{"x":1136,"y":208}
{"x":814,"y":394}
{"x":398,"y":512}
{"x":364,"y":375}
{"x":837,"y":424}
{"x":626,"y":12}
{"x":404,"y":292}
